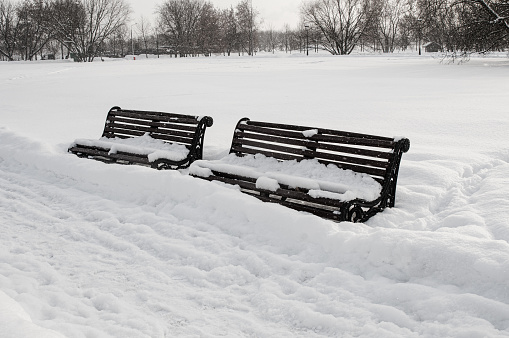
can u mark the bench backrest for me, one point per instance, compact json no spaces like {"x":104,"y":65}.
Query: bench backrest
{"x":170,"y":127}
{"x":376,"y":156}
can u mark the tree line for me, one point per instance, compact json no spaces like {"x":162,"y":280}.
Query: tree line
{"x":86,"y":29}
{"x":387,"y":25}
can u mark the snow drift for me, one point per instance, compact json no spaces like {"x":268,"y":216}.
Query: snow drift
{"x":95,"y":250}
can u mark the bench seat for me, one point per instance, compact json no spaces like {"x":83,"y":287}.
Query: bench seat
{"x":145,"y":145}
{"x":312,"y":176}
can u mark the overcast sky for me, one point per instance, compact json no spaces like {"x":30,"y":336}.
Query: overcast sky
{"x":275,"y":13}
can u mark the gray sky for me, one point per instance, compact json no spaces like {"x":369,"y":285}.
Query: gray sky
{"x":274,"y":13}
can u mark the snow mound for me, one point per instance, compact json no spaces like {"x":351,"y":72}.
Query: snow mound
{"x":16,"y":323}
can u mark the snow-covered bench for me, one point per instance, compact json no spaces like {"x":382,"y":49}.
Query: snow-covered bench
{"x":333,"y":174}
{"x":156,"y":139}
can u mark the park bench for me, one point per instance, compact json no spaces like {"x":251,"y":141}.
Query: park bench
{"x":333,"y":174}
{"x":156,"y":139}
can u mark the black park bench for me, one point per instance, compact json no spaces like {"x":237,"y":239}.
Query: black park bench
{"x":333,"y":174}
{"x":156,"y":139}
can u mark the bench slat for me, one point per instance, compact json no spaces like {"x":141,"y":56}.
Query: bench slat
{"x":375,"y":168}
{"x":324,"y":138}
{"x":354,"y":160}
{"x":241,"y":137}
{"x":314,"y":144}
{"x":152,"y":123}
{"x":157,"y":116}
{"x":124,"y":133}
{"x":95,"y":151}
{"x":321,"y":130}
{"x":356,"y":151}
{"x":123,"y":126}
{"x":155,"y":133}
{"x":373,"y":172}
{"x":304,"y":153}
{"x":303,"y":196}
{"x":327,"y":209}
{"x":275,"y":139}
{"x":279,"y":156}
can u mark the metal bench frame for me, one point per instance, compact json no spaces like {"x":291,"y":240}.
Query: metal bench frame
{"x":169,"y":127}
{"x":376,"y":156}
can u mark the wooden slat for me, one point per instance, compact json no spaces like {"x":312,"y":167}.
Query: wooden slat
{"x":304,"y":153}
{"x":242,"y":136}
{"x":274,"y":132}
{"x":275,"y":139}
{"x":278,"y":148}
{"x":280,"y":156}
{"x":383,"y":143}
{"x":152,"y":123}
{"x":163,"y":114}
{"x":353,"y":160}
{"x":166,"y":117}
{"x":171,"y":138}
{"x":373,"y":172}
{"x":122,"y":132}
{"x":302,"y":196}
{"x":130,"y":158}
{"x":355,"y":141}
{"x":99,"y":152}
{"x":355,"y":151}
{"x":299,"y":201}
{"x":122,"y":126}
{"x":320,"y":130}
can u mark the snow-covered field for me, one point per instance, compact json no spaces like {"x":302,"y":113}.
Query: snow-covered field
{"x":95,"y":250}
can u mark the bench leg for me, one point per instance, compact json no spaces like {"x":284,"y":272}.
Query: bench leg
{"x":352,"y":213}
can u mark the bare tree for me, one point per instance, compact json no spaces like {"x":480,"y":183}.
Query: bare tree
{"x":228,"y":30}
{"x":120,"y":40}
{"x":486,"y":24}
{"x":34,"y":28}
{"x":247,"y":25}
{"x":440,"y":22}
{"x":269,"y":40}
{"x":208,"y":32}
{"x":9,"y":29}
{"x":341,"y":22}
{"x":83,"y":26}
{"x":387,"y":18}
{"x":179,"y":20}
{"x":144,"y":27}
{"x":497,"y":10}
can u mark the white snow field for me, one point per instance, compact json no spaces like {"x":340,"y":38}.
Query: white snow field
{"x":89,"y":249}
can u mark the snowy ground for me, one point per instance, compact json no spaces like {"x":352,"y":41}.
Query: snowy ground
{"x":95,"y":250}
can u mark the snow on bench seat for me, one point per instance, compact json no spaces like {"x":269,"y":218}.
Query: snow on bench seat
{"x":153,"y":148}
{"x":326,"y":181}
